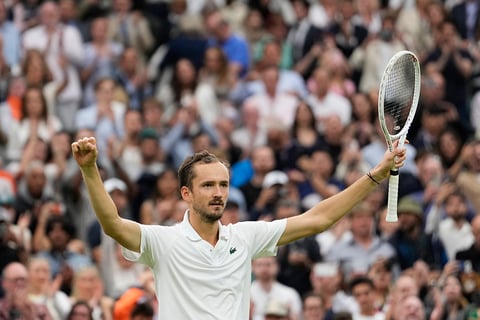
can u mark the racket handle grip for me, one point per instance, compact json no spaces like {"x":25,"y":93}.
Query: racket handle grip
{"x":392,"y":215}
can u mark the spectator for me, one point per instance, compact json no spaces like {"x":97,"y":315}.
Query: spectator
{"x":362,"y":289}
{"x":45,"y":291}
{"x":158,"y":208}
{"x":412,"y":308}
{"x":277,"y":310}
{"x":274,"y":105}
{"x":15,"y":304}
{"x":327,"y":281}
{"x":313,"y":307}
{"x":235,"y":48}
{"x":357,"y":255}
{"x":186,"y":92}
{"x":410,"y":241}
{"x":130,"y":28}
{"x":297,"y":258}
{"x":325,"y":102}
{"x":61,"y":260}
{"x":100,"y":58}
{"x":88,"y":286}
{"x":35,"y":122}
{"x":80,"y":311}
{"x":63,"y":48}
{"x":367,"y":58}
{"x":10,"y":42}
{"x":450,"y":302}
{"x":455,"y":64}
{"x":472,"y":253}
{"x":105,"y":116}
{"x":465,"y":169}
{"x":405,"y":286}
{"x":132,"y":77}
{"x":265,"y":286}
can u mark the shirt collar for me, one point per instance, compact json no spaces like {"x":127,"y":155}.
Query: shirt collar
{"x":192,"y":235}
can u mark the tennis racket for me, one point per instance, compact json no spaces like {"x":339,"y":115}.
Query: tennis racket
{"x":397,"y":104}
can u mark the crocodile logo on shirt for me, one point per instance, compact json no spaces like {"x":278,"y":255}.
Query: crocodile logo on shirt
{"x":233,"y":250}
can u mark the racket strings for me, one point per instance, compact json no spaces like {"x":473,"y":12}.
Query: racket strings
{"x":399,"y":94}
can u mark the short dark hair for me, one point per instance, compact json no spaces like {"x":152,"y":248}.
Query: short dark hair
{"x":361,"y":280}
{"x":66,"y":226}
{"x":186,"y":172}
{"x":142,"y":309}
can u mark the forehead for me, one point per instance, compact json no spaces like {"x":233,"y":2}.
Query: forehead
{"x":215,"y":171}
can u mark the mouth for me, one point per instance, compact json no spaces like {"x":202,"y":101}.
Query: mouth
{"x":217,"y":204}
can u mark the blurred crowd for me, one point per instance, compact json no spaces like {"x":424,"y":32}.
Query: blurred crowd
{"x":286,"y":91}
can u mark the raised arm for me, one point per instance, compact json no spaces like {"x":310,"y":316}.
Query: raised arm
{"x":124,"y":231}
{"x":327,"y":212}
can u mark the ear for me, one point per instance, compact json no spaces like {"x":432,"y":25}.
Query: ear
{"x":185,"y":193}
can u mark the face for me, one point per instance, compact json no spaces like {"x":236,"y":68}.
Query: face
{"x":36,"y":180}
{"x":405,"y":287}
{"x":455,"y":207}
{"x":133,"y":122}
{"x":80,"y":312}
{"x":39,"y":272}
{"x":167,"y":183}
{"x":58,"y":237}
{"x":49,"y":14}
{"x":265,"y":268}
{"x":362,"y":224}
{"x":15,"y":277}
{"x":99,"y":28}
{"x":452,"y":289}
{"x":185,"y":71}
{"x":86,"y":281}
{"x":322,"y":163}
{"x":313,"y":308}
{"x":263,"y":160}
{"x":34,"y":103}
{"x":363,"y":294}
{"x":104,"y":91}
{"x":209,"y":191}
{"x":412,"y":309}
{"x":213,"y":59}
{"x":449,"y":145}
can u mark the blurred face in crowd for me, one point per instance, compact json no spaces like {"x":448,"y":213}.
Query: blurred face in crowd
{"x":265,"y":268}
{"x":34,"y":103}
{"x":15,"y":277}
{"x":412,"y":309}
{"x":263,"y":159}
{"x":104,"y":91}
{"x":185,"y":71}
{"x":133,"y":123}
{"x":363,"y":294}
{"x":99,"y":28}
{"x":39,"y":273}
{"x":49,"y":14}
{"x":122,"y":6}
{"x":313,"y":308}
{"x":36,"y":179}
{"x":456,"y":207}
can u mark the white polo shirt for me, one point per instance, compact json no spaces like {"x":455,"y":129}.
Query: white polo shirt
{"x":193,"y":279}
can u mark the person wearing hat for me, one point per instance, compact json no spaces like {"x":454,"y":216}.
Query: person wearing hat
{"x":276,"y":310}
{"x":200,"y":262}
{"x":410,"y":240}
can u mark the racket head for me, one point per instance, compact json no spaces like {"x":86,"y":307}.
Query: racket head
{"x":398,"y":95}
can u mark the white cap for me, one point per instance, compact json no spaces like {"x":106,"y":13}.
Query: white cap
{"x":276,"y":308}
{"x":115,"y":184}
{"x":274,"y":177}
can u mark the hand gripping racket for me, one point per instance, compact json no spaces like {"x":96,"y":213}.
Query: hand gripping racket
{"x":397,"y":104}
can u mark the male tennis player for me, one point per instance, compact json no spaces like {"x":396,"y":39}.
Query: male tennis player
{"x":202,"y":268}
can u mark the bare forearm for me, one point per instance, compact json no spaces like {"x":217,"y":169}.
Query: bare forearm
{"x":101,"y":201}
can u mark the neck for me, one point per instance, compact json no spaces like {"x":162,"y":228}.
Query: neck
{"x":266,"y":285}
{"x":208,"y":231}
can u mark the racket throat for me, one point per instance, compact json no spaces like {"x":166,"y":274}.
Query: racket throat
{"x":393,"y":172}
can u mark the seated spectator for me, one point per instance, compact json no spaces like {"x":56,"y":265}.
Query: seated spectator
{"x":277,"y":310}
{"x":450,"y":302}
